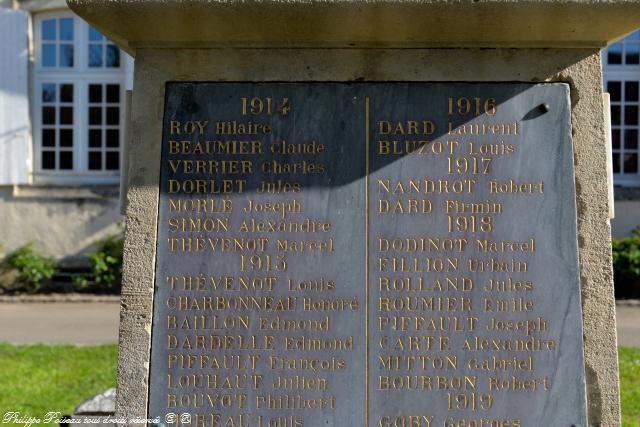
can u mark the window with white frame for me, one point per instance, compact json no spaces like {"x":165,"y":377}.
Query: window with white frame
{"x":621,"y":67}
{"x":78,"y":102}
{"x":625,"y":52}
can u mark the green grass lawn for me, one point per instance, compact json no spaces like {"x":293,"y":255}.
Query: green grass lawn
{"x":630,"y":386}
{"x":37,"y":379}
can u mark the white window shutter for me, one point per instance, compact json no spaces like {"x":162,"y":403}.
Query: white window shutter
{"x":15,"y":136}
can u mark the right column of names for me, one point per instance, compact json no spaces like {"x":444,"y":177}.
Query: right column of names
{"x":459,"y":294}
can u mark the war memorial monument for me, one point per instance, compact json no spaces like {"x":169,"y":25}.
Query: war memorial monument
{"x":384,"y":213}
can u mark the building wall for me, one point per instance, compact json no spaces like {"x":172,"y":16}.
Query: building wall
{"x":64,"y":219}
{"x":62,"y":222}
{"x":627,"y":218}
{"x":627,"y":212}
{"x":621,"y":69}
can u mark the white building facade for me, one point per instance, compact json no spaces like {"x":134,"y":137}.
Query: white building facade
{"x":62,"y":114}
{"x":621,"y":72}
{"x":62,"y":129}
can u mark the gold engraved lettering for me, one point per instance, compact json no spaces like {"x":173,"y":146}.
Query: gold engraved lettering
{"x":275,"y":167}
{"x":306,"y":225}
{"x":217,"y":381}
{"x":207,"y":186}
{"x":301,"y":246}
{"x":214,"y":322}
{"x":208,"y":225}
{"x":519,"y":384}
{"x":497,"y":364}
{"x":217,"y":147}
{"x":201,"y":205}
{"x":211,"y":167}
{"x":300,"y":382}
{"x":278,"y":187}
{"x":218,"y":244}
{"x":503,"y":129}
{"x":189,"y":127}
{"x":420,"y":343}
{"x":498,"y":266}
{"x":410,"y":127}
{"x":226,"y":283}
{"x":427,"y":186}
{"x":282,"y":421}
{"x":419,"y":362}
{"x":418,"y":264}
{"x":304,"y":343}
{"x":428,"y":324}
{"x":313,"y":304}
{"x":302,"y":364}
{"x":416,"y":147}
{"x":486,"y":207}
{"x":234,"y":127}
{"x":216,"y":420}
{"x":244,"y":302}
{"x":319,"y":285}
{"x":475,"y":106}
{"x":206,"y":400}
{"x":210,"y":361}
{"x":486,"y":245}
{"x":526,"y":326}
{"x":512,"y":187}
{"x":406,"y":421}
{"x":221,"y":342}
{"x":283,"y":147}
{"x":423,"y":284}
{"x":466,"y":422}
{"x":507,"y":305}
{"x":504,"y":345}
{"x":508,"y":285}
{"x":497,"y":149}
{"x":283,"y":209}
{"x":406,"y":206}
{"x":428,"y":244}
{"x":278,"y":323}
{"x":424,"y":382}
{"x":294,"y":402}
{"x":424,"y":304}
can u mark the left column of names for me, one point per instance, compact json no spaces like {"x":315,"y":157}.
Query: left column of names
{"x":255,"y":321}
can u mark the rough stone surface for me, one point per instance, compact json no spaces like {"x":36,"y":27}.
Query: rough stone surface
{"x":580,"y":68}
{"x":594,"y":242}
{"x":424,"y":23}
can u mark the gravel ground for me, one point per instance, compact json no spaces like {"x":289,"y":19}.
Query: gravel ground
{"x":59,"y":322}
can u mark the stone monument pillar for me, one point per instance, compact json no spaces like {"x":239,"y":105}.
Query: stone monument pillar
{"x":367,"y":213}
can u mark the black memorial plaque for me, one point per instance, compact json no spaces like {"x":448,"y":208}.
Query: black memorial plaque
{"x":367,"y":254}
